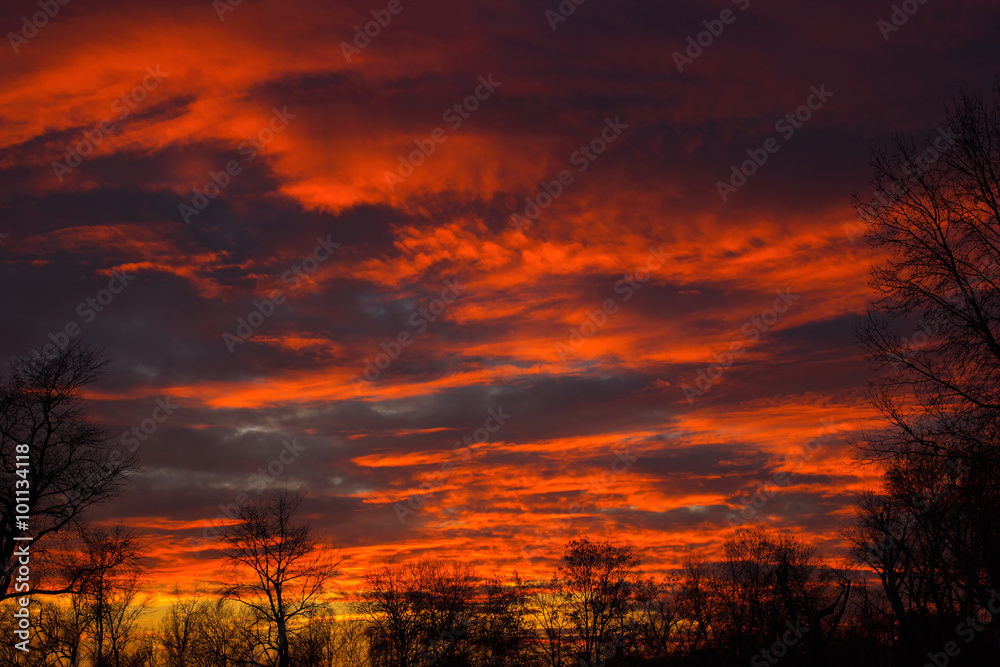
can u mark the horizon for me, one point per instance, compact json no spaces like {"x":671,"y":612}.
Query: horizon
{"x":476,"y":281}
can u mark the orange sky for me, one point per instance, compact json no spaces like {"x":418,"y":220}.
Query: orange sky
{"x":384,"y":317}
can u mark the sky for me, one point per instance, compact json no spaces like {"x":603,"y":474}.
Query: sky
{"x":487,"y":277}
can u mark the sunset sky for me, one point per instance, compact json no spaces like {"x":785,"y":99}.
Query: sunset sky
{"x":357,"y":297}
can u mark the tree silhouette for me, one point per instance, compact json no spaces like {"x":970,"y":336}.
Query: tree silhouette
{"x":933,"y":536}
{"x":72,"y":464}
{"x":108,"y":564}
{"x":280,"y":569}
{"x":600,"y":583}
{"x":418,"y":613}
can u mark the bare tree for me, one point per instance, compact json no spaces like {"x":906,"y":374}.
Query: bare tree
{"x":64,"y":628}
{"x":392,"y":612}
{"x":315,"y":643}
{"x":182,"y":628}
{"x":500,"y":630}
{"x":769,"y":590}
{"x":697,"y":603}
{"x":553,"y":636}
{"x":919,"y":549}
{"x":813,"y":596}
{"x":600,"y":582}
{"x":418,"y":613}
{"x":109,"y":565}
{"x":280,"y":568}
{"x":934,"y":336}
{"x":226,"y":635}
{"x":655,"y":618}
{"x":350,"y":643}
{"x":745,"y":588}
{"x":66,"y":465}
{"x":935,"y":216}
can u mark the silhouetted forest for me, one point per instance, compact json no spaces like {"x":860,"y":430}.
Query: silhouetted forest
{"x":768,"y":599}
{"x":918,"y":581}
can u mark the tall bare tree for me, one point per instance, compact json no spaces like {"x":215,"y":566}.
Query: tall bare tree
{"x":227,"y":634}
{"x":64,"y":627}
{"x":419,"y":613}
{"x":109,"y":564}
{"x":935,"y":326}
{"x":279,"y":569}
{"x":600,"y":582}
{"x":351,"y":643}
{"x":182,"y":628}
{"x":697,"y":604}
{"x":316,"y":644}
{"x":500,"y":629}
{"x":655,"y":619}
{"x":933,"y":334}
{"x":71,"y":464}
{"x":552,"y":639}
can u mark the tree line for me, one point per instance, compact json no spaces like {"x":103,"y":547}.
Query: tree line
{"x":768,"y":598}
{"x":920,"y":585}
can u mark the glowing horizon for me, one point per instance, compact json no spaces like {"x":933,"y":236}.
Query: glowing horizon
{"x":372,"y":252}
